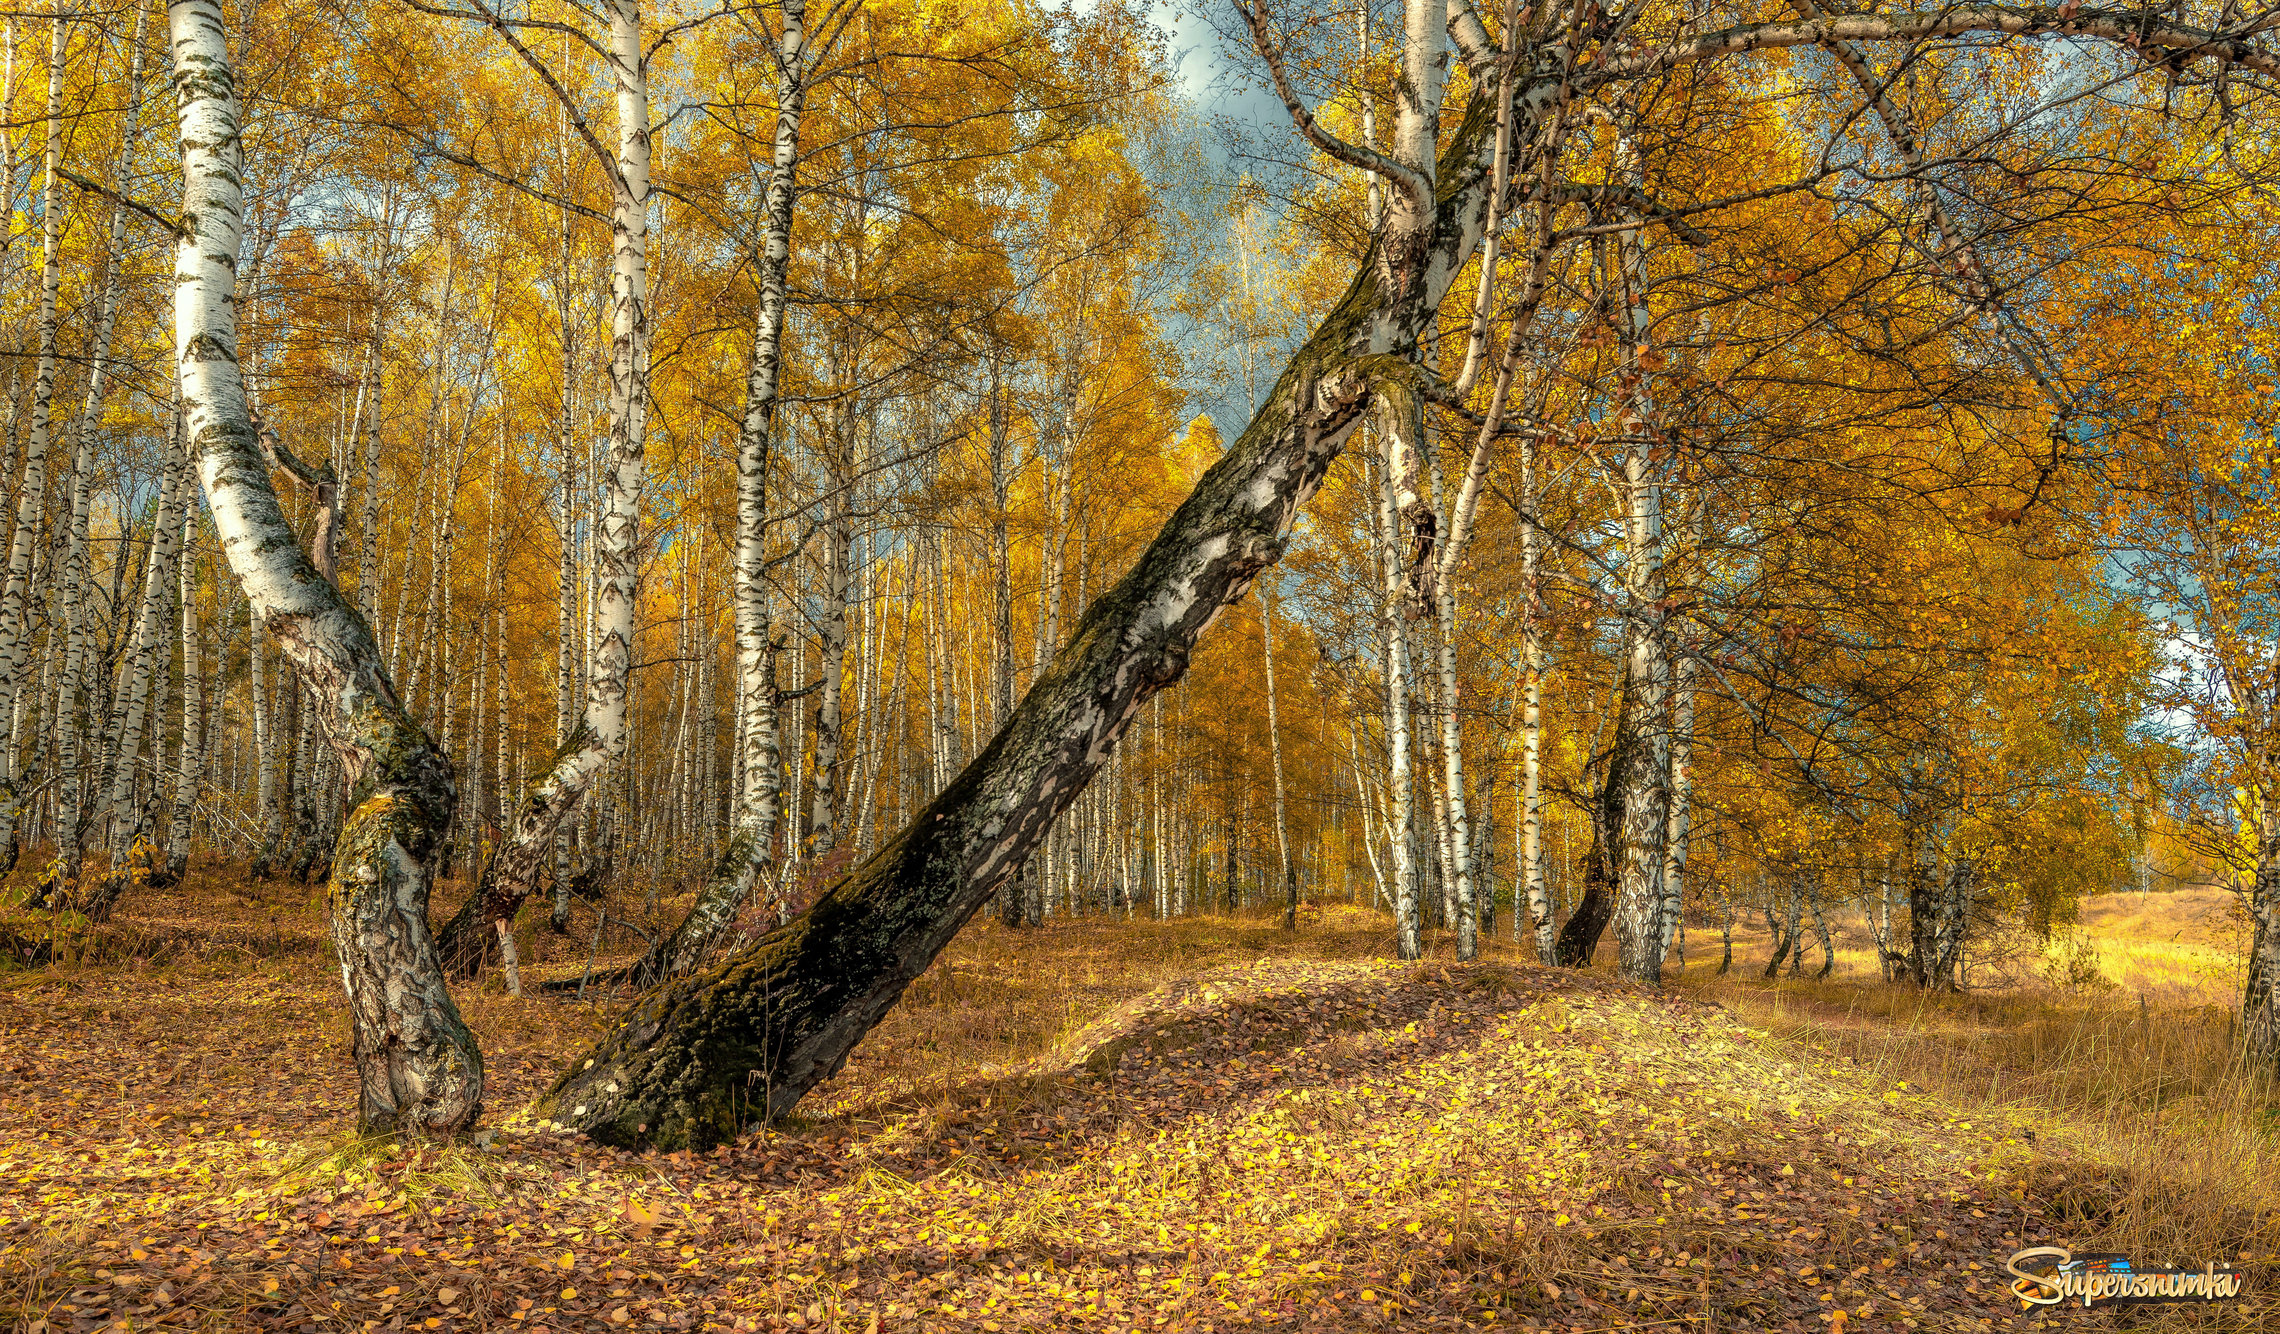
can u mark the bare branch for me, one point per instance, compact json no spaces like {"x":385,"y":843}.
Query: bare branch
{"x":2138,"y":29}
{"x":545,"y":72}
{"x":1353,"y":155}
{"x":173,"y":226}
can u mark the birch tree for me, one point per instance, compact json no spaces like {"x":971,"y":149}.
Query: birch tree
{"x":599,"y":737}
{"x":31,"y":490}
{"x":417,"y":1065}
{"x":757,"y":805}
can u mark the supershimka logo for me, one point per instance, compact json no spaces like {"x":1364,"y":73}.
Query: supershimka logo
{"x":2048,"y":1275}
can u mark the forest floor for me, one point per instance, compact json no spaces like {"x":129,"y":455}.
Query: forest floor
{"x":1204,"y":1125}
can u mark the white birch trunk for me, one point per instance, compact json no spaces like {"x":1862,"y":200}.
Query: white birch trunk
{"x":31,"y":491}
{"x":190,"y":760}
{"x":1639,"y":923}
{"x":1399,"y":417}
{"x":744,"y":862}
{"x":1537,"y":892}
{"x":825,"y":811}
{"x":1681,"y":795}
{"x":141,"y":667}
{"x":1274,"y":750}
{"x":600,"y":734}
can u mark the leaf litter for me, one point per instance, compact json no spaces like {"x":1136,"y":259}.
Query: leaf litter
{"x":1289,"y":1143}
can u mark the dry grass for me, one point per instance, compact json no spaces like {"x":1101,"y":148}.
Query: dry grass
{"x":2150,"y":1136}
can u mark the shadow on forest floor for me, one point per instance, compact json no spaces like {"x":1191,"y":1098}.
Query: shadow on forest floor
{"x":1208,"y":1124}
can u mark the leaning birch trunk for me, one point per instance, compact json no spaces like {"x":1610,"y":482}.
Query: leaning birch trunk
{"x":600,"y":734}
{"x":744,"y":862}
{"x":417,"y":1065}
{"x":143,"y":654}
{"x":697,"y":1060}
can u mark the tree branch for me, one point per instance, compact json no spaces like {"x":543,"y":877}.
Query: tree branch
{"x":506,"y":30}
{"x":1353,"y":155}
{"x":173,"y":226}
{"x":422,"y":143}
{"x":2134,"y":28}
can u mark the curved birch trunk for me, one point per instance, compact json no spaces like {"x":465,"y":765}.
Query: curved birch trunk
{"x":600,"y":734}
{"x":417,"y":1065}
{"x":1578,"y":940}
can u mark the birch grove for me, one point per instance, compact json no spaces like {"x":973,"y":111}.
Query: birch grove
{"x":690,"y":503}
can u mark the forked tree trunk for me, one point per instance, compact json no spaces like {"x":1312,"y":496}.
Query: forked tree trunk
{"x":697,"y":1060}
{"x":417,"y":1064}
